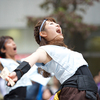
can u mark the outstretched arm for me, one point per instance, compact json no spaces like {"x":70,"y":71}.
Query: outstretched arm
{"x":39,"y":56}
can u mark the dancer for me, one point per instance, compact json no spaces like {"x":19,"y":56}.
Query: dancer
{"x":8,"y":51}
{"x":68,"y":66}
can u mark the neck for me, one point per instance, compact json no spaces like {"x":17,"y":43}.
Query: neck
{"x":11,"y":57}
{"x":57,"y":42}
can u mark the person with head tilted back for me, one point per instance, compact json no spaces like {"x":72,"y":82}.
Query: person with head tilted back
{"x":68,"y":66}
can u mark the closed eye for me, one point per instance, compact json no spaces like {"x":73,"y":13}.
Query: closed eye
{"x":51,"y":23}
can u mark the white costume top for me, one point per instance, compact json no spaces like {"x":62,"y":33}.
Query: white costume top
{"x":26,"y":78}
{"x":64,"y":63}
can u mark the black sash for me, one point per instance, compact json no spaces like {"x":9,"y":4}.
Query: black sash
{"x":82,"y":82}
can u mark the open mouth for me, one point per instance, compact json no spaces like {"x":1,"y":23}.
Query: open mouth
{"x":58,"y":30}
{"x":14,"y":48}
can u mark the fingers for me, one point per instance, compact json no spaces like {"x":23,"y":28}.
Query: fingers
{"x":11,"y":77}
{"x":7,"y":78}
{"x":8,"y":83}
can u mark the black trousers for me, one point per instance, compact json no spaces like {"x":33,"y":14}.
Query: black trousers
{"x":16,"y":94}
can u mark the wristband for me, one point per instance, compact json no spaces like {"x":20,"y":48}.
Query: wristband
{"x":22,"y":69}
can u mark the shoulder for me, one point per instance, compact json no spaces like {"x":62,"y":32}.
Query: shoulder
{"x":52,"y":47}
{"x":40,"y":51}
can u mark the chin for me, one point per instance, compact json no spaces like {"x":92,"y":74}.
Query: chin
{"x":15,"y":53}
{"x":59,"y":38}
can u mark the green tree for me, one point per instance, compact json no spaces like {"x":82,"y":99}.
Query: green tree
{"x":74,"y":30}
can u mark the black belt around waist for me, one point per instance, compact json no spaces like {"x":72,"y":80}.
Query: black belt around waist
{"x":82,"y":82}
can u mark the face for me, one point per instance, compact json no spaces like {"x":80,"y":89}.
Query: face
{"x":10,"y":48}
{"x":53,"y":31}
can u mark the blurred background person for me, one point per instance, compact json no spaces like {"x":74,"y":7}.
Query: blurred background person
{"x":47,"y":93}
{"x":21,"y":90}
{"x":97,"y":81}
{"x":50,"y":89}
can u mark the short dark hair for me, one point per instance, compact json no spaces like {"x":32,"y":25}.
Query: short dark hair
{"x":2,"y":44}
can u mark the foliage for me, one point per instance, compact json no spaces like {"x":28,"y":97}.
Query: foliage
{"x":72,"y":25}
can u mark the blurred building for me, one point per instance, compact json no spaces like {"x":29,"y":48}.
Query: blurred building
{"x":13,"y":22}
